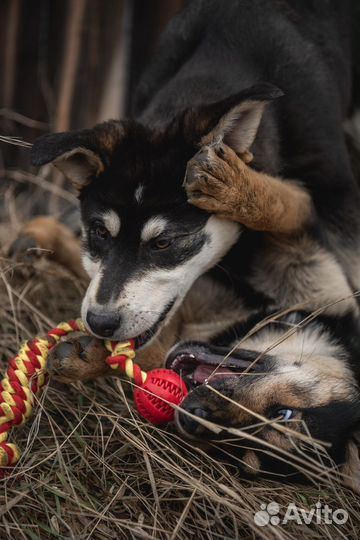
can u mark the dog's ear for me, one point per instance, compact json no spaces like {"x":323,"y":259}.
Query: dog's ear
{"x":80,"y":155}
{"x":235,"y":120}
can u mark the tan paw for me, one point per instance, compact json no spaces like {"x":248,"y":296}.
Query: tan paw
{"x":44,"y":236}
{"x":78,"y":357}
{"x":214,"y":179}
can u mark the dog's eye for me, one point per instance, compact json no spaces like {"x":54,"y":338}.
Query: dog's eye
{"x":161,"y":243}
{"x":99,"y":231}
{"x":283,"y":414}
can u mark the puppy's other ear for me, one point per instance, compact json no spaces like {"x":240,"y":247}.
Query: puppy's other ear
{"x":80,"y":155}
{"x":235,"y":120}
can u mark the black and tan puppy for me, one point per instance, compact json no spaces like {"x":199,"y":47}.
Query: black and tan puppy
{"x":284,"y":224}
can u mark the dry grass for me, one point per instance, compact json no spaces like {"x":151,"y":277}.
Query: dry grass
{"x":91,"y":469}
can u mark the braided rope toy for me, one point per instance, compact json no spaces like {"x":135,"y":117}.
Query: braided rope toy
{"x":154,"y":394}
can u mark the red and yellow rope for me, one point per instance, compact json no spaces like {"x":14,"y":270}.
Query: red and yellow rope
{"x":26,"y":375}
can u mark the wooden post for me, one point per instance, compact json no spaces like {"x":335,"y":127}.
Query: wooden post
{"x":72,"y":42}
{"x":11,"y":41}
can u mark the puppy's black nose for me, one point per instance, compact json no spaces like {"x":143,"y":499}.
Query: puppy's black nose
{"x":190,"y":424}
{"x":103,"y":325}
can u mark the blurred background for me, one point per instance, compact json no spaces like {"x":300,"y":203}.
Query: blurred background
{"x":65,"y":64}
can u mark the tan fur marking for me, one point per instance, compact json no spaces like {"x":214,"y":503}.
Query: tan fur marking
{"x":109,"y":135}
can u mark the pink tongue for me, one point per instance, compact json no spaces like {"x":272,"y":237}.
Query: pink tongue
{"x":204,"y":372}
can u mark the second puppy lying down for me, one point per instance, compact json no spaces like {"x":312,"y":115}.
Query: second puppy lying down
{"x":240,"y":382}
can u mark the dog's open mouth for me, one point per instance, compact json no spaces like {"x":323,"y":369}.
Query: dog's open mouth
{"x":199,"y":363}
{"x":142,"y":339}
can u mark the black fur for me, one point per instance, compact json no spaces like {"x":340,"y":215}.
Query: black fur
{"x":213,"y":50}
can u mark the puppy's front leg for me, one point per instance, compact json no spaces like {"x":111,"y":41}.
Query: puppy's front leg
{"x":219,"y":181}
{"x":81,"y":357}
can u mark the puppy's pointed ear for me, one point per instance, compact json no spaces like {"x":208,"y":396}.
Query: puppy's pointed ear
{"x":80,"y":155}
{"x":235,"y":120}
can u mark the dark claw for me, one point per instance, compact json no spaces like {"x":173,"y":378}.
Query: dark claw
{"x":66,"y":348}
{"x":24,"y":248}
{"x":219,"y":150}
{"x":81,"y":345}
{"x":191,"y":176}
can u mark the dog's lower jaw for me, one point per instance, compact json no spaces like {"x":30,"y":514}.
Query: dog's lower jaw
{"x":144,"y":339}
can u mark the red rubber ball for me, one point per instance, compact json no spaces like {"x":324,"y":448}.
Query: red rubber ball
{"x":160,"y":387}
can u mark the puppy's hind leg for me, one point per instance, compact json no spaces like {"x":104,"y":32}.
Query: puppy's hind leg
{"x":45,"y":236}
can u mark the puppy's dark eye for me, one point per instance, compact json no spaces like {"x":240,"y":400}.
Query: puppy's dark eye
{"x":161,"y":243}
{"x":99,"y":231}
{"x":283,"y":414}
